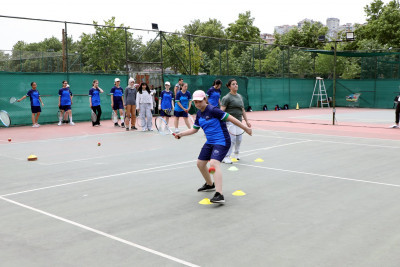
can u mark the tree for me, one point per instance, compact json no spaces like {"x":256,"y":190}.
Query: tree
{"x":383,"y":23}
{"x":307,"y":36}
{"x":105,"y":49}
{"x":242,"y":30}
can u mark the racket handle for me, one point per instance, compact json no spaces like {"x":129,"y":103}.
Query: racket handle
{"x":174,"y":134}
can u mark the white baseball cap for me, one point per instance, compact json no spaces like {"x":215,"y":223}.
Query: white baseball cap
{"x":199,"y":95}
{"x":167,"y":83}
{"x":117,"y":80}
{"x":131,"y":80}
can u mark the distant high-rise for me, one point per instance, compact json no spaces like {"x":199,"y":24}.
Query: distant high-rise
{"x":333,"y":25}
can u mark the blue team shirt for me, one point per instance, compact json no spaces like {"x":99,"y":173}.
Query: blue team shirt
{"x":34,"y":96}
{"x":184,"y":98}
{"x":166,"y":98}
{"x":94,"y":93}
{"x":212,"y":121}
{"x":65,"y":94}
{"x":213,"y":96}
{"x":117,"y":92}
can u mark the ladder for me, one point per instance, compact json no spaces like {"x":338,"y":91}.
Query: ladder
{"x":320,"y":93}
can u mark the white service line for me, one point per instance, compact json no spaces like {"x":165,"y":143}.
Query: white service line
{"x":126,"y":242}
{"x":97,"y":178}
{"x":320,"y":175}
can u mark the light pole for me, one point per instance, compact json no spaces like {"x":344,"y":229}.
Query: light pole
{"x":349,"y":38}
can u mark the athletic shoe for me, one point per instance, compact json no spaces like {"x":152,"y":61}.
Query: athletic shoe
{"x":217,"y":198}
{"x":59,"y":123}
{"x":206,"y":188}
{"x":116,"y":124}
{"x":133,"y":128}
{"x":122,"y":124}
{"x":176,"y":130}
{"x":227,"y":160}
{"x":143,"y":130}
{"x":150,"y":130}
{"x":237,"y":156}
{"x":394,"y":126}
{"x":127,"y":129}
{"x":71,"y":123}
{"x":35,"y":126}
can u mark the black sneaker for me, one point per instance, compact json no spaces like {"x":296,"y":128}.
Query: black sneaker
{"x":218,"y":198}
{"x":123,"y":125}
{"x":116,"y":124}
{"x":133,"y":128}
{"x":206,"y":188}
{"x":127,"y":129}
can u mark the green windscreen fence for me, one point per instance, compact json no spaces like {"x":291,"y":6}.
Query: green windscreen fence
{"x":17,"y":84}
{"x":258,"y":91}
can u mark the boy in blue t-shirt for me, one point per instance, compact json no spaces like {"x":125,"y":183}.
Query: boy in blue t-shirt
{"x":65,"y":102}
{"x":183,"y":102}
{"x":166,"y":102}
{"x":212,"y":121}
{"x":36,"y":100}
{"x":214,"y":94}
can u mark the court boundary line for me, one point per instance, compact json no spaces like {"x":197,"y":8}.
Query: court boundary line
{"x":115,"y":238}
{"x":95,"y":178}
{"x":320,"y":175}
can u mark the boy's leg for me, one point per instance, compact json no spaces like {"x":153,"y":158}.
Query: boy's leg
{"x":217,"y":175}
{"x":202,"y":165}
{"x":33,"y":118}
{"x":186,"y":119}
{"x":37,"y":117}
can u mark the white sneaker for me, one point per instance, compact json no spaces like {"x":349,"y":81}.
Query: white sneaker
{"x":227,"y":160}
{"x":59,"y":123}
{"x":71,"y":123}
{"x":176,"y":130}
{"x":394,"y":126}
{"x":35,"y":126}
{"x":237,"y":156}
{"x":143,"y":130}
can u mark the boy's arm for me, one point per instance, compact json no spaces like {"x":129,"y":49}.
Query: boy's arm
{"x":187,"y":132}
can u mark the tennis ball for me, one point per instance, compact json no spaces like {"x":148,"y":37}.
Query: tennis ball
{"x":211,"y":170}
{"x":9,"y":139}
{"x":98,"y":144}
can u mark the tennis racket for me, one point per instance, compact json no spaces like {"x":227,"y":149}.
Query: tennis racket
{"x":114,"y":116}
{"x":233,"y":129}
{"x":13,"y":100}
{"x":169,"y":111}
{"x":162,"y":127}
{"x":5,"y":118}
{"x":191,"y":118}
{"x":93,"y":116}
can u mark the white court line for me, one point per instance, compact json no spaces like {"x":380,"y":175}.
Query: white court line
{"x":271,"y":147}
{"x":333,"y":142}
{"x":320,"y":175}
{"x":126,"y":242}
{"x":96,"y":178}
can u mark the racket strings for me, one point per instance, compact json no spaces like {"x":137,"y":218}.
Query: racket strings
{"x":162,"y":126}
{"x":5,"y":119}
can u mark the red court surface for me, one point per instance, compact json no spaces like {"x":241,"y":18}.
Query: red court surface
{"x":298,"y":121}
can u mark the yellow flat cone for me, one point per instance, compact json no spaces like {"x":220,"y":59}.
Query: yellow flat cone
{"x":259,"y":160}
{"x":205,"y":201}
{"x":297,"y":106}
{"x":233,"y":169}
{"x":234,"y":160}
{"x":32,"y":158}
{"x":238,"y":193}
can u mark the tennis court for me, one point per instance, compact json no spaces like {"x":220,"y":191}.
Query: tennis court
{"x":316,"y":195}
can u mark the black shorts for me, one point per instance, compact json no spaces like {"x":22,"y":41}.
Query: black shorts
{"x":217,"y":152}
{"x":36,"y":109}
{"x":163,"y":114}
{"x":65,"y":107}
{"x":179,"y":114}
{"x":118,"y":104}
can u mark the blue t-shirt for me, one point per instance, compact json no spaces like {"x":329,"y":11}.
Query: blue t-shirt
{"x":184,"y":98}
{"x":34,"y":96}
{"x":65,"y":94}
{"x":117,"y":92}
{"x":94,"y":93}
{"x":212,"y":121}
{"x":213,"y":96}
{"x":166,"y":98}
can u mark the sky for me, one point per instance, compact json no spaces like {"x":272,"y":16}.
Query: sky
{"x":170,"y":15}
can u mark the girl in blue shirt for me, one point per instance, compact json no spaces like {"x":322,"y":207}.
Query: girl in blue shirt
{"x":166,"y":102}
{"x":183,"y":102}
{"x":214,"y":94}
{"x":212,"y":121}
{"x":94,"y":101}
{"x":36,"y":100}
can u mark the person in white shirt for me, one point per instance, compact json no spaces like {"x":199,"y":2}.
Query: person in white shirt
{"x":144,"y":105}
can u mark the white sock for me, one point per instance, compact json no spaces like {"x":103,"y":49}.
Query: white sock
{"x":122,"y":119}
{"x":70,"y":118}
